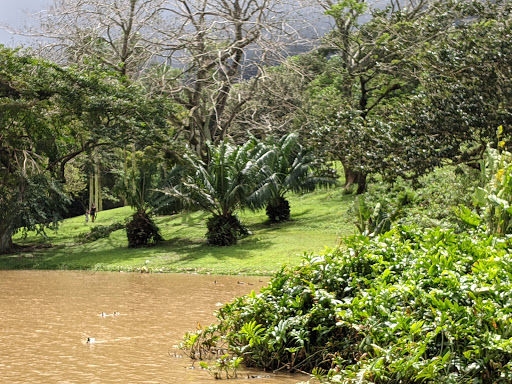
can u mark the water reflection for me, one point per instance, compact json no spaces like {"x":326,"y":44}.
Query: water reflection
{"x":47,"y":316}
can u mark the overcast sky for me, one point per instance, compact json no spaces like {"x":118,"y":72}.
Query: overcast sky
{"x":16,"y":13}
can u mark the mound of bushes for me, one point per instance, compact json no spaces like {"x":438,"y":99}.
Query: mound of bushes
{"x":98,"y":232}
{"x":225,"y":230}
{"x":141,"y":230}
{"x":407,"y":306}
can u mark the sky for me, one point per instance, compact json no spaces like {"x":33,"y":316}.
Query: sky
{"x":16,"y":14}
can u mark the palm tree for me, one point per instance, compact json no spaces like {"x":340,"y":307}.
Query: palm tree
{"x":287,"y":167}
{"x":137,"y":189}
{"x":220,"y":187}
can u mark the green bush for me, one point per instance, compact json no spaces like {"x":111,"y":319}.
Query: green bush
{"x":224,"y":230}
{"x":98,"y":232}
{"x":408,"y":306}
{"x":141,"y":230}
{"x":278,"y":212}
{"x":428,"y":202}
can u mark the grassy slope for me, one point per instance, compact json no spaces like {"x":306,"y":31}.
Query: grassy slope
{"x":318,"y":220}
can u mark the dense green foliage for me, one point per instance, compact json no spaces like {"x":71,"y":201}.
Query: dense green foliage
{"x":408,"y":306}
{"x":431,"y":201}
{"x":412,"y":88}
{"x":285,"y":166}
{"x":33,"y":111}
{"x":396,"y":304}
{"x":141,"y":230}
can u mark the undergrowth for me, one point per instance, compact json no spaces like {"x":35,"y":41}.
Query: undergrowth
{"x":98,"y":232}
{"x":408,"y":306}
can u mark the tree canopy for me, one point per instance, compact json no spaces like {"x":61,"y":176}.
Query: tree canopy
{"x":395,"y":90}
{"x":50,"y":115}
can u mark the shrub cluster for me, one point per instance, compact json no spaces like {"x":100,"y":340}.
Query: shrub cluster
{"x":225,"y":230}
{"x":98,"y":232}
{"x":408,"y":306}
{"x":141,"y":230}
{"x":427,"y":202}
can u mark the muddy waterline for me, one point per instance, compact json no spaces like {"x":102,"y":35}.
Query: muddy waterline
{"x":47,"y":316}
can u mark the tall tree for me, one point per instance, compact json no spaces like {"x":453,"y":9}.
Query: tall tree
{"x":216,"y":44}
{"x":413,"y":86}
{"x":49,"y":116}
{"x":119,"y":34}
{"x":276,"y":103}
{"x":209,"y":46}
{"x":366,"y":72}
{"x":30,"y":195}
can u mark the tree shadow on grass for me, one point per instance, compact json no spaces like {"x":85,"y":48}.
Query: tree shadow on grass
{"x":189,"y":250}
{"x":267,"y":225}
{"x":177,"y":250}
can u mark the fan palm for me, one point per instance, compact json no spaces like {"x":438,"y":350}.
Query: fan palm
{"x":137,"y":187}
{"x":287,"y":167}
{"x":220,"y":187}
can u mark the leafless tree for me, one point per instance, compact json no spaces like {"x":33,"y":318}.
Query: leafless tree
{"x":216,"y":44}
{"x":118,"y":33}
{"x":196,"y":51}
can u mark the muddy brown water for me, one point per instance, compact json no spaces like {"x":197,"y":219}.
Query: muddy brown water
{"x":47,"y":316}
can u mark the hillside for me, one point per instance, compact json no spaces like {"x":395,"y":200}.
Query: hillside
{"x":318,"y":220}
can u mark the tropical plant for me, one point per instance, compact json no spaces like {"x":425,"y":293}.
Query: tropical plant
{"x":141,"y":230}
{"x":225,"y":365}
{"x":495,"y":198}
{"x":138,"y":190}
{"x":408,"y":306}
{"x":220,"y":187}
{"x":286,"y":167}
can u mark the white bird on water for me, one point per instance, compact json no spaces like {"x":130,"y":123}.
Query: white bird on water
{"x":115,"y":313}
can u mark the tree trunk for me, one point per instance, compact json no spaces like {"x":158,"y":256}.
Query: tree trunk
{"x":97,"y":184}
{"x":125,"y":172}
{"x":91,"y":190}
{"x":361,"y":183}
{"x":350,"y":177}
{"x":5,"y":240}
{"x":354,"y":177}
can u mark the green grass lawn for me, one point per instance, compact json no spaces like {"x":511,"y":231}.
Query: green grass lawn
{"x":319,"y":219}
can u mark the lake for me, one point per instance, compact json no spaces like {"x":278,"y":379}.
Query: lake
{"x":135,"y":320}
